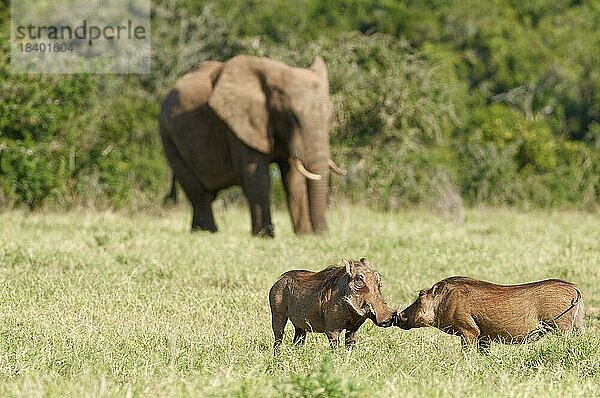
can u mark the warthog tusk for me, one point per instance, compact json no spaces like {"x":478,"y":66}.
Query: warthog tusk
{"x":305,"y":173}
{"x":336,"y":169}
{"x":360,"y":311}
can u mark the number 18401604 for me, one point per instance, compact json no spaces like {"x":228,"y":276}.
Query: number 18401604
{"x":45,"y":47}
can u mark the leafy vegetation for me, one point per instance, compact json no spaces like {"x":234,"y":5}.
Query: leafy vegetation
{"x":496,"y":102}
{"x":106,"y":304}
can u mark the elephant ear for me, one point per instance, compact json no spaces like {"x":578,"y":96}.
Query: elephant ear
{"x":240,"y":101}
{"x":318,"y":66}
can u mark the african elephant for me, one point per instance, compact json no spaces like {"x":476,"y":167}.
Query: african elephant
{"x":223,"y":123}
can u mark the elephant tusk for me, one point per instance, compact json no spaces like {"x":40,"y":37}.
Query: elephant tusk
{"x":336,"y":169}
{"x":304,"y":172}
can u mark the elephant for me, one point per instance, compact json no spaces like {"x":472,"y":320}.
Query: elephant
{"x":224,"y":123}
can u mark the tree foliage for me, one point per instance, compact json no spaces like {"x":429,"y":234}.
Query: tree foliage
{"x":498,"y":100}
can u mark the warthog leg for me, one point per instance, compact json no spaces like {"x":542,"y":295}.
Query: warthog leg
{"x":543,"y":329}
{"x":469,"y":332}
{"x":278,"y":322}
{"x":333,"y":337}
{"x":350,"y":339}
{"x":300,"y":336}
{"x":483,"y":346}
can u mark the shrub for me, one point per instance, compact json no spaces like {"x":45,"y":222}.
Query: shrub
{"x":495,"y":101}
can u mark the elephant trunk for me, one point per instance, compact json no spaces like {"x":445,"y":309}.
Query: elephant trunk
{"x":318,"y":189}
{"x":317,"y":202}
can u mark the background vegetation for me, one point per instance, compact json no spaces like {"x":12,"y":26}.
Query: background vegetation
{"x":104,"y":304}
{"x":493,"y":102}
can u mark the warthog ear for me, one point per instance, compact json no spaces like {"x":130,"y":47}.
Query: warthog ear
{"x":378,"y":277}
{"x":435,"y":290}
{"x":348,"y":265}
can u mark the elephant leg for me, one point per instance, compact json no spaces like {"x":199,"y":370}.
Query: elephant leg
{"x":294,"y":184}
{"x":203,"y":219}
{"x":200,"y":198}
{"x":257,"y":187}
{"x":253,"y":170}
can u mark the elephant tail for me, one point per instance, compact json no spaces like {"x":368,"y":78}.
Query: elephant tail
{"x":171,"y":197}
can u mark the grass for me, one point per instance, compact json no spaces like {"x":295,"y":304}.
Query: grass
{"x":104,"y":304}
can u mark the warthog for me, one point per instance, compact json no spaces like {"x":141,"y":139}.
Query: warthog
{"x":480,"y":312}
{"x":329,"y":301}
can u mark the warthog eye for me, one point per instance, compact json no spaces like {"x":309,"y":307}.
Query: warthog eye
{"x":359,"y":282}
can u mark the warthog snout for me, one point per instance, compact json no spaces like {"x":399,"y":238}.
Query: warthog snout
{"x":385,"y":319}
{"x":401,"y":321}
{"x":386,"y":323}
{"x":365,"y":293}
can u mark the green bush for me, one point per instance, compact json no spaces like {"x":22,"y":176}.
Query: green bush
{"x":495,"y":101}
{"x":318,"y":383}
{"x":385,"y":97}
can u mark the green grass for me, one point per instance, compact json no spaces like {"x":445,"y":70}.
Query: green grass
{"x":105,"y":304}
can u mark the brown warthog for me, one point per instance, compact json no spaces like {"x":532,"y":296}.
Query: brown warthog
{"x":329,"y":301}
{"x":480,"y":312}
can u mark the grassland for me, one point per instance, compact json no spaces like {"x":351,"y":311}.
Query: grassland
{"x":104,"y":304}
